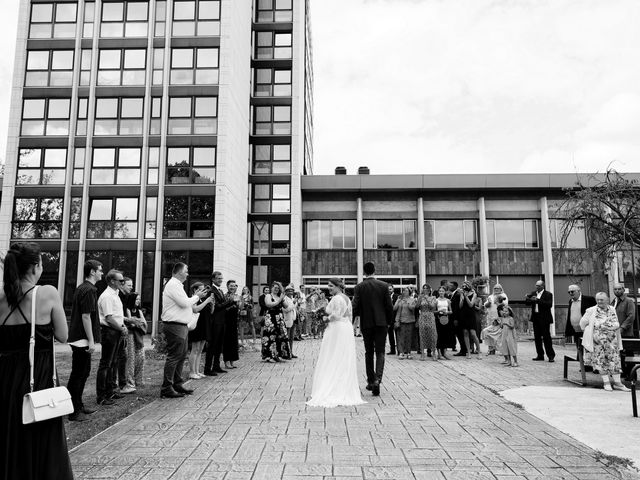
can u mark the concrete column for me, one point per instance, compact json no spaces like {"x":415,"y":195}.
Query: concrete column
{"x":359,"y":240}
{"x":422,"y":253}
{"x":483,"y":239}
{"x":547,"y":254}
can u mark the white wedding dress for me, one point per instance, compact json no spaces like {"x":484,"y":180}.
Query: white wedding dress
{"x":335,"y":380}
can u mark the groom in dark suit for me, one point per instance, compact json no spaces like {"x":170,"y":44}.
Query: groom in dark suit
{"x":372,"y":303}
{"x":215,"y":326}
{"x":541,"y":301}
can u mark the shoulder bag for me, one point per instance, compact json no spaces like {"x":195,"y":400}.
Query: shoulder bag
{"x":50,"y":402}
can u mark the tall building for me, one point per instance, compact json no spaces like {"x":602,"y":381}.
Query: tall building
{"x":148,"y":132}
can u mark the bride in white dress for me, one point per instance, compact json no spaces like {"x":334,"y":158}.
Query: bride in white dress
{"x":335,"y":380}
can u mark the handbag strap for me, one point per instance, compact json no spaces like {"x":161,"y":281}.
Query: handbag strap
{"x":32,"y":340}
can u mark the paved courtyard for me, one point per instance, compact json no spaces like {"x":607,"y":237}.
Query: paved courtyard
{"x":433,"y":420}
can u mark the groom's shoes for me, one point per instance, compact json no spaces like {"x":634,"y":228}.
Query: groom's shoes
{"x":375,"y":388}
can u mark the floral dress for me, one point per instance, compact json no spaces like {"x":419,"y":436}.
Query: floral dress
{"x":606,"y":341}
{"x":427,"y":323}
{"x":275,"y":341}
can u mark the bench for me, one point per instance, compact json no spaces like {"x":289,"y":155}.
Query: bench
{"x":578,"y":358}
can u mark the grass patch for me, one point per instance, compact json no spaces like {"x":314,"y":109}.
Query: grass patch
{"x":614,"y":461}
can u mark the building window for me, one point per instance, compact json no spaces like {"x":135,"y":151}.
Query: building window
{"x":87,"y":26}
{"x":113,"y":218}
{"x":274,"y":11}
{"x":161,"y":19}
{"x":41,"y":166}
{"x":124,"y":19}
{"x":188,"y":217}
{"x":274,"y":239}
{"x":575,"y":238}
{"x":53,"y":20}
{"x":158,"y":65}
{"x":271,"y":198}
{"x":513,"y":234}
{"x":330,"y":234}
{"x":191,"y":165}
{"x":194,"y":66}
{"x":78,"y":166}
{"x":193,"y":115}
{"x":49,"y":68}
{"x":153,"y":165}
{"x":85,"y":67}
{"x":390,"y":234}
{"x":118,"y":116}
{"x":151,"y":217}
{"x":457,"y":234}
{"x":75,"y":212}
{"x":271,"y":159}
{"x":196,"y":18}
{"x":272,"y":82}
{"x":37,"y":218}
{"x":45,"y":116}
{"x":272,"y":120}
{"x":273,"y":45}
{"x":115,"y":166}
{"x":122,"y":67}
{"x":81,"y":122}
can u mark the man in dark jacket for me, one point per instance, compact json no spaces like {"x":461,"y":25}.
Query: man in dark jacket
{"x":541,"y":302}
{"x":578,"y":304}
{"x":215,"y":326}
{"x":626,"y":311}
{"x":372,"y":303}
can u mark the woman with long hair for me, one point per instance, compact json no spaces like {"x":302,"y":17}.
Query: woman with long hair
{"x":198,"y":336}
{"x":427,"y":323}
{"x":38,"y":450}
{"x":444,"y":325}
{"x":275,"y":343}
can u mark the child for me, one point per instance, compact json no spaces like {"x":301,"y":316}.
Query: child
{"x":509,"y":341}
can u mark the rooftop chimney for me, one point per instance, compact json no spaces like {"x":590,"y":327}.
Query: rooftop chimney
{"x":363,"y":171}
{"x":341,"y":171}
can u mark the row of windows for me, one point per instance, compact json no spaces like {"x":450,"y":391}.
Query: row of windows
{"x":441,"y":234}
{"x":274,"y":11}
{"x":125,"y":19}
{"x":184,"y":217}
{"x":116,"y":165}
{"x":121,"y":116}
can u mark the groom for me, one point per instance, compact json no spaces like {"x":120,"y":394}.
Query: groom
{"x":373,"y":305}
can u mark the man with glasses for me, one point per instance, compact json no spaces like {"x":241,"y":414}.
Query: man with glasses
{"x":578,"y":304}
{"x":112,"y":326}
{"x":84,"y":333}
{"x":541,"y":302}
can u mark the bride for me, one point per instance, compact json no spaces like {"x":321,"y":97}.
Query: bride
{"x":335,"y":380}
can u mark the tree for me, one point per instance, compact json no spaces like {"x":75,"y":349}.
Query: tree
{"x":609,"y":206}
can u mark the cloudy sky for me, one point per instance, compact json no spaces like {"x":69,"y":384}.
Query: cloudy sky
{"x":436,"y":86}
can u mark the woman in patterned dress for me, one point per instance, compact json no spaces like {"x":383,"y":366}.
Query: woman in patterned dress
{"x":275,"y":345}
{"x":427,"y":323}
{"x":605,"y":354}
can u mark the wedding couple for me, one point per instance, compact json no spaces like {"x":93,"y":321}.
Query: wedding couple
{"x":335,"y":381}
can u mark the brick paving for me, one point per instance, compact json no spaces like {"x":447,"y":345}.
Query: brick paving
{"x":433,"y":420}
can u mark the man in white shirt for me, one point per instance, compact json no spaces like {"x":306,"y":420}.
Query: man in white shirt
{"x":177,"y":312}
{"x":112,"y":328}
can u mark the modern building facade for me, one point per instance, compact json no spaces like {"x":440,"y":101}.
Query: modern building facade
{"x":146,"y":132}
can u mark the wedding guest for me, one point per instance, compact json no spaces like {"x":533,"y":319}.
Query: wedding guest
{"x":392,"y":329}
{"x":289,"y":311}
{"x":263,"y":308}
{"x":177,"y":312}
{"x":578,"y":304}
{"x":444,"y":326}
{"x":626,"y":312}
{"x":230,"y":352}
{"x":509,"y":341}
{"x":481,"y":314}
{"x":427,"y":305}
{"x":120,"y":378}
{"x":458,"y":327}
{"x":303,"y":318}
{"x":320,"y":306}
{"x":112,"y":329}
{"x":274,"y":333}
{"x":216,"y":326}
{"x":198,"y":336}
{"x":467,"y":317}
{"x":492,"y":334}
{"x":605,"y":341}
{"x":36,"y":451}
{"x":541,"y":302}
{"x":245,"y":315}
{"x":135,"y":343}
{"x":405,"y":319}
{"x":311,"y":309}
{"x":84,"y":333}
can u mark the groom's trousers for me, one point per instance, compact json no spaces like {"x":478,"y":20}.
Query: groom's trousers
{"x":375,"y":339}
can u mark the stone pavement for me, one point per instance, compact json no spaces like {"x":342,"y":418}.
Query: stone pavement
{"x":433,"y":420}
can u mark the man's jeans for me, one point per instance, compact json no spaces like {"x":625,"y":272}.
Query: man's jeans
{"x":105,"y":381}
{"x":80,"y":370}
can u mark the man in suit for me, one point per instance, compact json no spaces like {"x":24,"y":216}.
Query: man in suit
{"x":215,"y":326}
{"x":456,"y":294}
{"x":391,"y":330}
{"x":372,"y":303}
{"x":578,"y":304}
{"x":541,"y":302}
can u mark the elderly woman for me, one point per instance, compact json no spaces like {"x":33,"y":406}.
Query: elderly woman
{"x":492,"y":334}
{"x":427,"y":322}
{"x":602,"y":341}
{"x":404,"y":310}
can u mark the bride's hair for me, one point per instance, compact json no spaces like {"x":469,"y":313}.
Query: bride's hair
{"x":338,"y":282}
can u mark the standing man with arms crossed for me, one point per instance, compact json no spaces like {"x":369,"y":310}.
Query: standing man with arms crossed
{"x":177,"y":312}
{"x":541,"y":302}
{"x":84,"y":333}
{"x":372,"y":303}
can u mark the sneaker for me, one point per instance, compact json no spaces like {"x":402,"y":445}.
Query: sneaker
{"x":127,"y":390}
{"x":409,"y":357}
{"x":117,"y":396}
{"x":78,"y":417}
{"x":194,"y":376}
{"x":106,"y":402}
{"x":89,"y":411}
{"x":401,"y":356}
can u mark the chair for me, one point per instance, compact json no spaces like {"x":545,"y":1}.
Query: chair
{"x":578,"y":358}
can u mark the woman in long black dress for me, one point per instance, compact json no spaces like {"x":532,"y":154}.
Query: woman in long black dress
{"x":36,"y":451}
{"x":230,"y":352}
